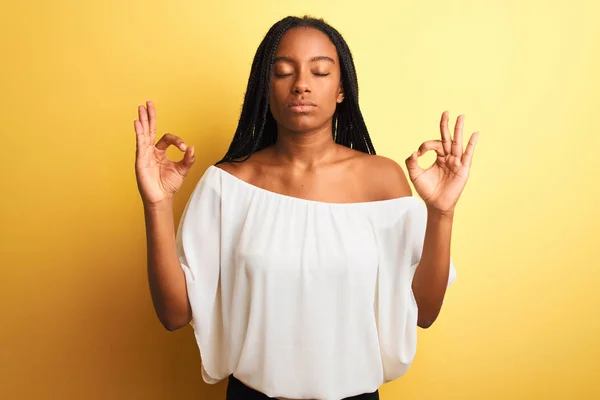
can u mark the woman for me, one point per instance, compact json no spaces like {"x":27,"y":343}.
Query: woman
{"x":302,"y":260}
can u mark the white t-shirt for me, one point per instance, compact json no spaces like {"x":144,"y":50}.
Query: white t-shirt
{"x":300,"y":299}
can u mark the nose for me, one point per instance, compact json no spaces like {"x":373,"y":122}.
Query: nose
{"x":301,"y":85}
{"x":301,"y":88}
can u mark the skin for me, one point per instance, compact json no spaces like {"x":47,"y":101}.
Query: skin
{"x":305,"y":163}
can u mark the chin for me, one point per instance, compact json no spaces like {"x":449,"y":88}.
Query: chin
{"x":304,"y":124}
{"x":301,"y":128}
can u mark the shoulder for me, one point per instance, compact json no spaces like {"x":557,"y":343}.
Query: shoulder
{"x":233,"y":168}
{"x":244,"y":170}
{"x":251,"y":169}
{"x":384,"y":176}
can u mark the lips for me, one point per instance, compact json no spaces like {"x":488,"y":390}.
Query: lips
{"x":302,"y":106}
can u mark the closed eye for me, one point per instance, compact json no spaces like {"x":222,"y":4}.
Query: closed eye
{"x":290,"y":74}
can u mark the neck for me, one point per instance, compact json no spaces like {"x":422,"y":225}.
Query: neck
{"x":305,"y":150}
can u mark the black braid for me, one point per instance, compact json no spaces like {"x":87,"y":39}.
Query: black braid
{"x":257,"y":128}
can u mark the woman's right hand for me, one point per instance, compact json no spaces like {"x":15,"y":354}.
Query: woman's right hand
{"x":158,"y":177}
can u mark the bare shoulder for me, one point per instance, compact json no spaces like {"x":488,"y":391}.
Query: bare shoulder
{"x":246,"y":170}
{"x":238,"y":169}
{"x":384,"y":176}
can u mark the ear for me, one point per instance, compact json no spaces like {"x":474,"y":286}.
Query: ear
{"x":340,"y":96}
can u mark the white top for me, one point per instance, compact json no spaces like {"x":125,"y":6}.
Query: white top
{"x":300,"y":299}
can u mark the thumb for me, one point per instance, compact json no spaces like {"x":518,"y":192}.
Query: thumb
{"x":412,"y":165}
{"x":184,"y":165}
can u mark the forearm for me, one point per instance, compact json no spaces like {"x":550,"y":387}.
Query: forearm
{"x":431,"y":277}
{"x":165,"y":275}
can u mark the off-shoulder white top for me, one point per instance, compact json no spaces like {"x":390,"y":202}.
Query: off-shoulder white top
{"x":300,"y":299}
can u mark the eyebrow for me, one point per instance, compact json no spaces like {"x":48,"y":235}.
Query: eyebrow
{"x":317,"y":58}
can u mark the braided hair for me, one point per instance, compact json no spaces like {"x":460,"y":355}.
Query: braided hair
{"x":257,"y":128}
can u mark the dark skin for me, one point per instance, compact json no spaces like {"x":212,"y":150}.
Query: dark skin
{"x":305,"y":163}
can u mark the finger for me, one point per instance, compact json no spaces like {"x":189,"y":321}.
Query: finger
{"x":468,"y":156}
{"x":457,"y":149}
{"x":435,"y":145}
{"x":446,"y":139}
{"x":141,"y":140}
{"x":139,"y":132}
{"x":144,"y":119}
{"x":183,"y":166}
{"x":151,"y":120}
{"x":168,"y":140}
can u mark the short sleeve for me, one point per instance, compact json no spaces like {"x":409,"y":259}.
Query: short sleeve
{"x":400,"y":240}
{"x":198,"y":242}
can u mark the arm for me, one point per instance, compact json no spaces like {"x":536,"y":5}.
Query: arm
{"x":165,"y":275}
{"x":431,"y":277}
{"x":440,"y":186}
{"x":158,"y":179}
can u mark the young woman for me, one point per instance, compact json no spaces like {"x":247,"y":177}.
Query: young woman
{"x":302,"y":261}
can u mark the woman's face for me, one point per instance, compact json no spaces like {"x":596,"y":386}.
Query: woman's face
{"x":305,"y":82}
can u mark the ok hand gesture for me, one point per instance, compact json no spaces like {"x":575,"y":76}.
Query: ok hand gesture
{"x":157,"y":176}
{"x":441,"y":185}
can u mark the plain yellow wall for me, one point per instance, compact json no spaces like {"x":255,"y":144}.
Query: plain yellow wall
{"x":521,"y":320}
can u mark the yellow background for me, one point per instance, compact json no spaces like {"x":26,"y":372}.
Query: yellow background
{"x":520,"y":322}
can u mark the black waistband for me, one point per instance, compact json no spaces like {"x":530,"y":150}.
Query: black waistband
{"x":237,"y":390}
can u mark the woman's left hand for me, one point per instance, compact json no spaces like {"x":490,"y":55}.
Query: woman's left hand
{"x":441,"y":185}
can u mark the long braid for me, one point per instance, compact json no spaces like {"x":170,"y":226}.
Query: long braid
{"x":257,"y":128}
{"x":352,"y":127}
{"x":263,"y":140}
